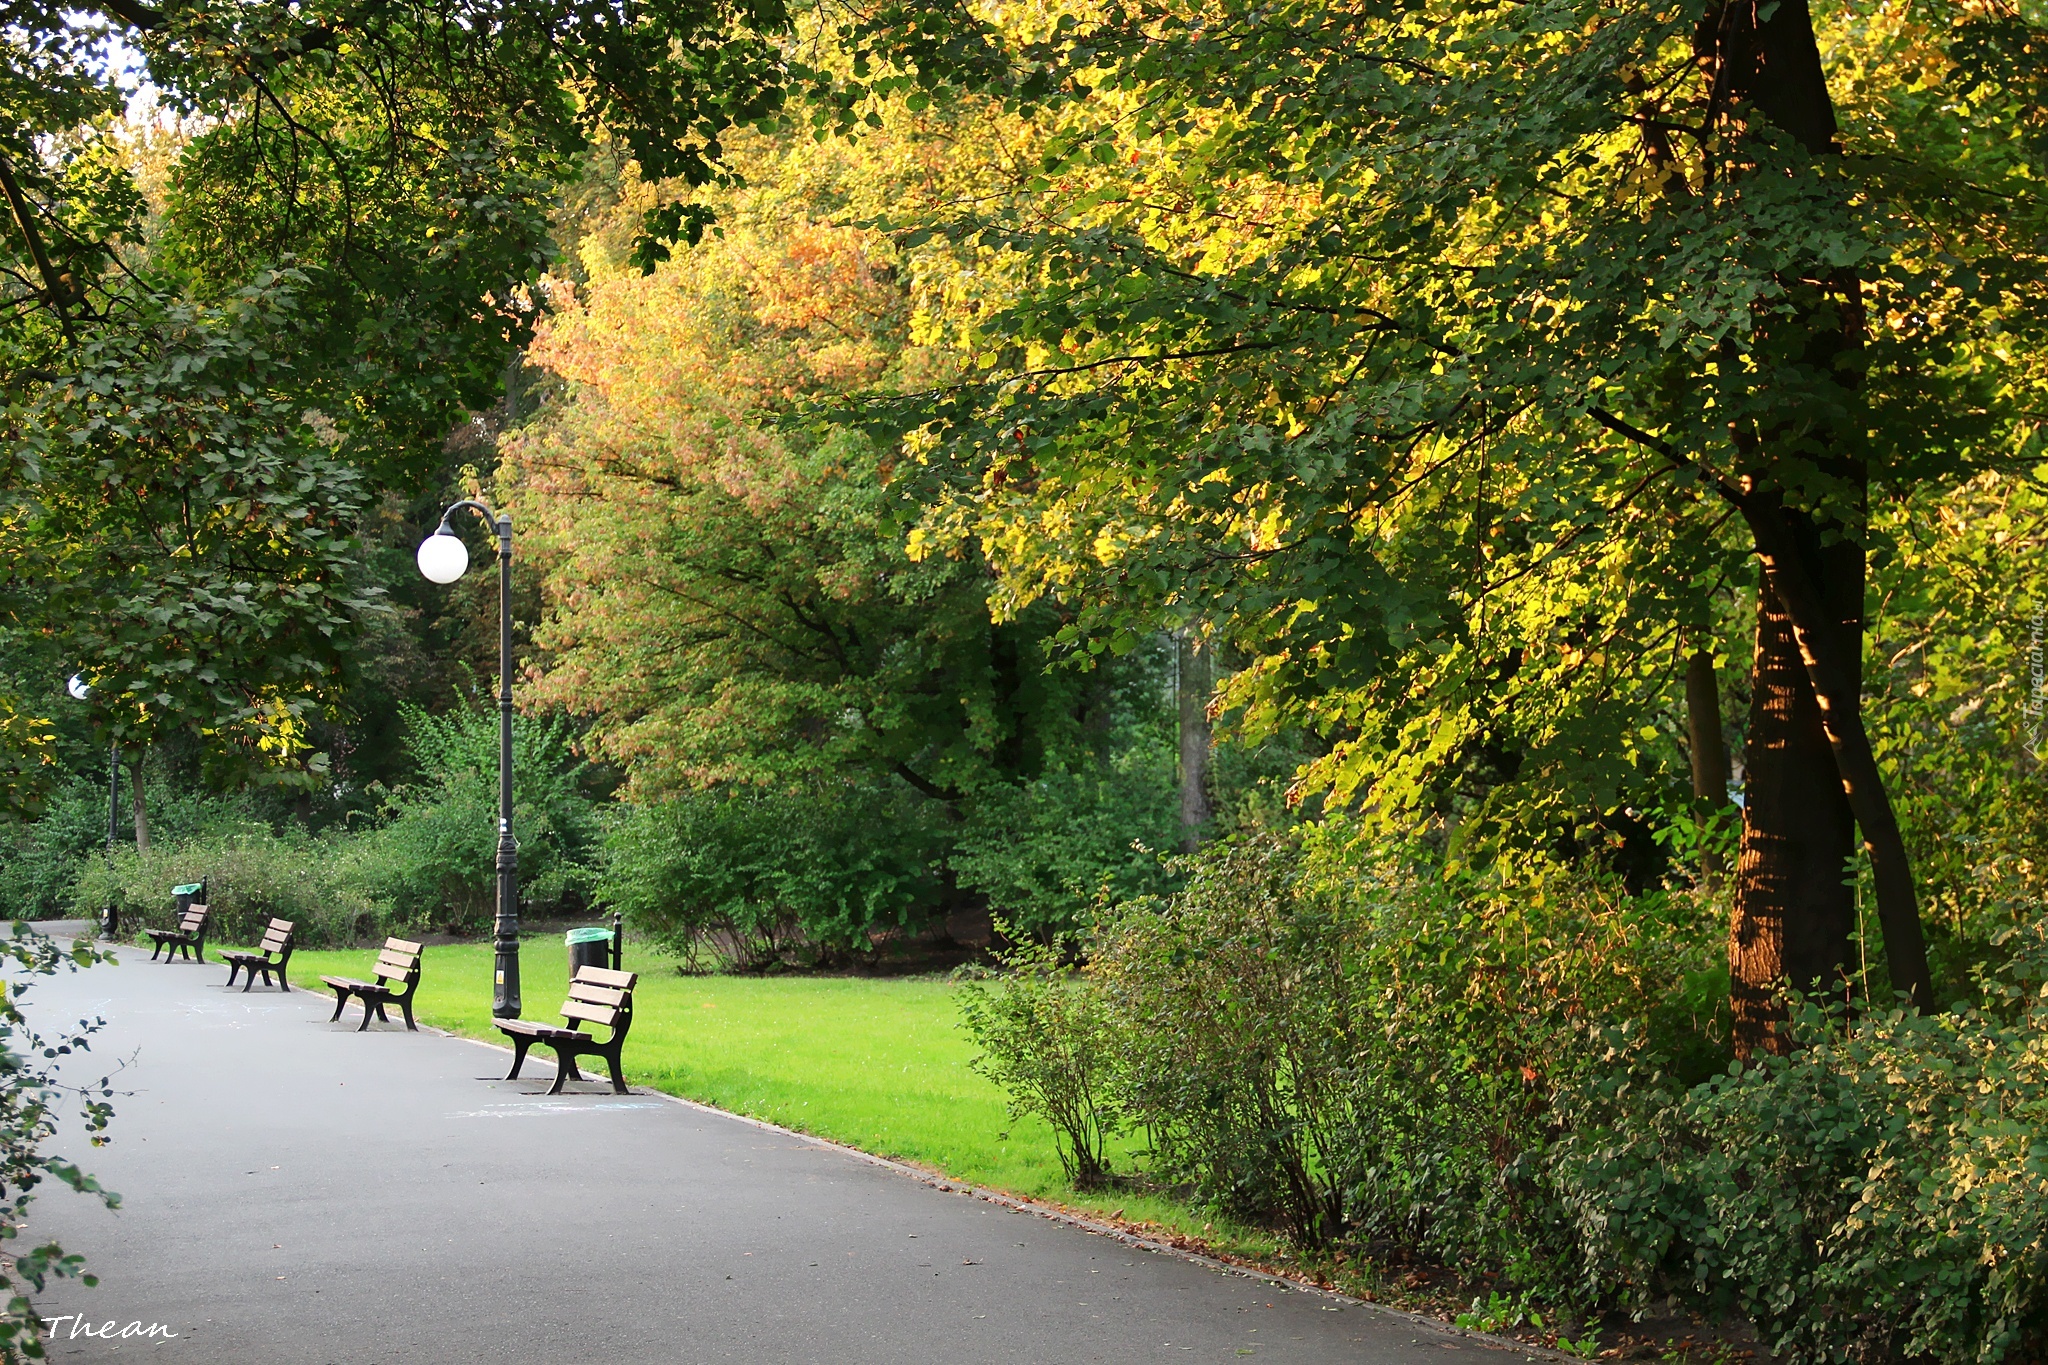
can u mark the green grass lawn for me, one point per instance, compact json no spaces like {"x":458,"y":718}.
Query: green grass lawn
{"x":878,"y":1064}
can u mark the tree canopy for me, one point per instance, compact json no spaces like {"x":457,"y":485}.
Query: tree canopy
{"x":208,"y":380}
{"x":1460,"y":361}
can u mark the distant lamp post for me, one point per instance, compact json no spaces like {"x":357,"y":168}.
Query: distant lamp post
{"x":110,"y":918}
{"x":443,"y":558}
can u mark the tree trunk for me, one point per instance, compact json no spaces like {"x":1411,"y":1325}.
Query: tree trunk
{"x":1709,"y":748}
{"x":1810,"y":776}
{"x":1703,"y":728}
{"x":1831,"y":653}
{"x":1193,"y":685}
{"x":1794,"y":913}
{"x":141,"y":809}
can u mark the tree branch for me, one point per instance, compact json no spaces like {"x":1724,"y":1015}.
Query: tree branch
{"x":132,"y":14}
{"x":924,"y":784}
{"x":55,"y":289}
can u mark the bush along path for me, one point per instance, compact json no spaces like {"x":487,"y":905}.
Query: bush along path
{"x":1407,"y":1073}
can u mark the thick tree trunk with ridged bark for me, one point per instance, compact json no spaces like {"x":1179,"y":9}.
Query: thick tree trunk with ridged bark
{"x":1793,"y":912}
{"x":1812,"y":781}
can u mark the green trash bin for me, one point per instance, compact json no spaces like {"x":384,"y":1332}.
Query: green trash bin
{"x":589,"y":948}
{"x":188,"y":893}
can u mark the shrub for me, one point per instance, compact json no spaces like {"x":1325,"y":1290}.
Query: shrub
{"x":758,"y":876}
{"x":1236,"y":1032}
{"x":252,"y":875}
{"x":1045,"y":852}
{"x":434,"y":860}
{"x":1046,"y":1041}
{"x":1879,"y":1194}
{"x":1355,"y":1049}
{"x":40,"y":861}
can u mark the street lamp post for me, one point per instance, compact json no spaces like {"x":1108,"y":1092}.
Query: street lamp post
{"x":443,"y":558}
{"x":110,"y":918}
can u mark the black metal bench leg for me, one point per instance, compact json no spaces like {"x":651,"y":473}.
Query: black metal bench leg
{"x":519,"y":1046}
{"x":563,"y":1066}
{"x":618,"y":1076}
{"x":249,"y":979}
{"x":369,"y":1007}
{"x":406,"y":1005}
{"x":340,"y":999}
{"x":233,"y":967}
{"x":282,"y":984}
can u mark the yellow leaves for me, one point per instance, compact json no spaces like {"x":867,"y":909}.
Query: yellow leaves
{"x":1268,"y":530}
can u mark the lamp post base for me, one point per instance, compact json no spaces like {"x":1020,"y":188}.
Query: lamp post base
{"x":505,"y":1001}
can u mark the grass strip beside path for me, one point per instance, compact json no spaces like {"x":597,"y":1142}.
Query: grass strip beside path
{"x":877,"y":1064}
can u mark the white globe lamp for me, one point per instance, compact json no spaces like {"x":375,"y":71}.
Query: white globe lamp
{"x":78,"y":687}
{"x":443,"y":557}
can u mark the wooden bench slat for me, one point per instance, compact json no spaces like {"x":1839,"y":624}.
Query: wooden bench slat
{"x":607,"y":1015}
{"x":595,"y":995}
{"x":403,"y":945}
{"x":605,"y":976}
{"x":391,"y":964}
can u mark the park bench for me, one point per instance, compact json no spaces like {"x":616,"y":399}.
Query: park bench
{"x":188,"y":938}
{"x":271,"y":955}
{"x":597,"y":995}
{"x":398,"y":977}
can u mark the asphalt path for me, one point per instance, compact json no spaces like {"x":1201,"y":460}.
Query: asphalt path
{"x":295,"y":1191}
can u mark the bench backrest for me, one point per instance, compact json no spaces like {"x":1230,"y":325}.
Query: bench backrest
{"x":399,"y":960}
{"x":276,"y":938}
{"x":191,"y":920}
{"x":601,"y":996}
